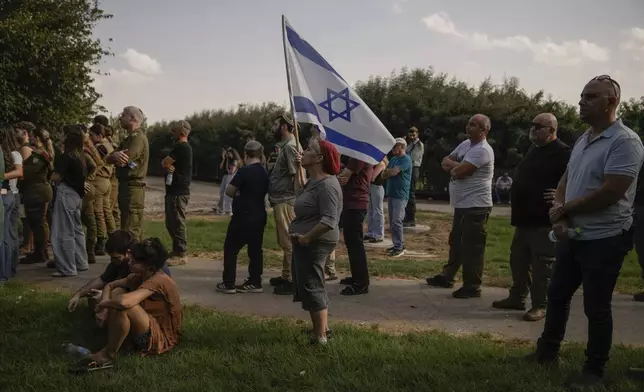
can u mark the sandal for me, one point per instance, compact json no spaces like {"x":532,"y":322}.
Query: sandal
{"x":87,"y":365}
{"x":355,"y":290}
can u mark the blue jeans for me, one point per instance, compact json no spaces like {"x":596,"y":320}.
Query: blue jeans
{"x":396,"y":215}
{"x":375,"y":213}
{"x":6,"y":246}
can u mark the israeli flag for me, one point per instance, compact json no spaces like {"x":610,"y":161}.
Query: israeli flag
{"x":322,"y":97}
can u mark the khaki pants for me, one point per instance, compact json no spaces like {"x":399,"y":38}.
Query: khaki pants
{"x":103,"y":207}
{"x":531,"y":250}
{"x":131,"y":204}
{"x":284,"y":213}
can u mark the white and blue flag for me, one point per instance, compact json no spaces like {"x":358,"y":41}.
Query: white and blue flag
{"x":322,"y":97}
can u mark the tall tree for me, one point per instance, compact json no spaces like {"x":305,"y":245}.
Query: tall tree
{"x":49,"y":60}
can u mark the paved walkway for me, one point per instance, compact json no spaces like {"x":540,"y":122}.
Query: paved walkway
{"x":392,"y":304}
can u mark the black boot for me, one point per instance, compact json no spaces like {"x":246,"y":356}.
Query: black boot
{"x":99,"y":249}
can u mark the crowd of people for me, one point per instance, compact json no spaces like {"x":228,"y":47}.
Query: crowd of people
{"x":572,"y":209}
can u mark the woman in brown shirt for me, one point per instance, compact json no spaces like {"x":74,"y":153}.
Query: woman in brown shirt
{"x":145,"y":306}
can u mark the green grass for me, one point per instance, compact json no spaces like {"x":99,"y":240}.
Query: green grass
{"x":220,"y":352}
{"x":207,"y":235}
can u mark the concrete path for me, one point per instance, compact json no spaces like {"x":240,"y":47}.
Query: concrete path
{"x":396,"y":305}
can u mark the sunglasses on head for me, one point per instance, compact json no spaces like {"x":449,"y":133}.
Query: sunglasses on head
{"x":612,"y":81}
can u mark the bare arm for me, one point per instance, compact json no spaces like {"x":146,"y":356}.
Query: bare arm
{"x":94,"y":284}
{"x":463,"y":170}
{"x":560,"y":193}
{"x":167,"y":162}
{"x":449,"y":163}
{"x":15,"y":173}
{"x":127,"y":300}
{"x":231,"y":190}
{"x":388,"y":173}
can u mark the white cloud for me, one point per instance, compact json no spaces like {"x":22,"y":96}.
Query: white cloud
{"x":567,"y":53}
{"x":638,"y":34}
{"x":397,"y":6}
{"x":142,"y":62}
{"x":635,"y":43}
{"x":471,"y":64}
{"x":127,"y":76}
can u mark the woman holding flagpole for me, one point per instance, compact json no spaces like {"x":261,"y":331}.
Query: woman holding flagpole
{"x":314,"y":231}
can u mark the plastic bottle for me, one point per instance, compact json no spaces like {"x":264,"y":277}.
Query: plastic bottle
{"x":168,"y":179}
{"x":572,"y":233}
{"x":76,"y":350}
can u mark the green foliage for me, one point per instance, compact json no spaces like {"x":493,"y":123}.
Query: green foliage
{"x":49,"y":59}
{"x":632,"y":113}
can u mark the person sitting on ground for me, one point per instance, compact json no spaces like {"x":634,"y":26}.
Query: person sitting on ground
{"x":119,"y":247}
{"x":145,"y":306}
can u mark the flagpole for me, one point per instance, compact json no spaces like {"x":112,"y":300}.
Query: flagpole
{"x":288,"y":82}
{"x":301,"y":175}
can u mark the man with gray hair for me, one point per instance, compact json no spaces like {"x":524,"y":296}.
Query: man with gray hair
{"x":246,"y":228}
{"x":471,"y":166}
{"x":178,"y":166}
{"x":592,"y":219}
{"x":131,"y":162}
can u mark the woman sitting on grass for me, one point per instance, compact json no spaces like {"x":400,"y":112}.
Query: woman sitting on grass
{"x":144,"y":306}
{"x":315,"y":232}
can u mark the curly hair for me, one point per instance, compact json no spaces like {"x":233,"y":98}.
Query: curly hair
{"x":8,"y":144}
{"x":151,"y":253}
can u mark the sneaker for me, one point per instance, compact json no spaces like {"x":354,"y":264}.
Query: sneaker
{"x":99,"y":249}
{"x":284,"y":289}
{"x":509,"y":304}
{"x":543,"y":359}
{"x":355,"y":289}
{"x":277,"y":281}
{"x":375,"y":240}
{"x":397,"y":252}
{"x":176,"y":261}
{"x":249,"y":287}
{"x":309,"y":332}
{"x":440,"y":281}
{"x":226,"y":288}
{"x":347,"y":281}
{"x":409,"y":224}
{"x":584,"y":381}
{"x":318,"y":341}
{"x":465,"y":293}
{"x":368,"y":238}
{"x":534,"y":314}
{"x":390,"y":248}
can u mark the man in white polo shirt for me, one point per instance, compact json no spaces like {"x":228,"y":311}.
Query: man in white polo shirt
{"x":471,"y":166}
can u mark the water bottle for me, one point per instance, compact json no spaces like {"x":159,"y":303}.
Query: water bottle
{"x":76,"y":350}
{"x":168,"y":179}
{"x":572,"y":233}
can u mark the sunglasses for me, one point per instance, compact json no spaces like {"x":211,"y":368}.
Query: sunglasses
{"x":538,"y":126}
{"x":612,"y":81}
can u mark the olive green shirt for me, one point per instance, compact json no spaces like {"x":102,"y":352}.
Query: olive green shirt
{"x":105,"y":170}
{"x":35,"y":187}
{"x":138,"y":149}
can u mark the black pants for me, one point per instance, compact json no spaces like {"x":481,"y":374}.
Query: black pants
{"x":594,"y":265}
{"x":352,"y":225}
{"x":242,"y":231}
{"x":410,"y":210}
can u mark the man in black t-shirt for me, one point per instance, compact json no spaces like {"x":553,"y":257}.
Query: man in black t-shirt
{"x":534,"y":182}
{"x":248,"y":189}
{"x":178,"y":165}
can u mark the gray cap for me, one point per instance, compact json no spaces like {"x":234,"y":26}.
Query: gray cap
{"x":400,"y":140}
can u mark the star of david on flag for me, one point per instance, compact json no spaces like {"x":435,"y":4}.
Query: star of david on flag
{"x":322,"y":97}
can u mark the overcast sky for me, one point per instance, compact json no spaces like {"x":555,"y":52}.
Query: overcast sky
{"x":173,"y":57}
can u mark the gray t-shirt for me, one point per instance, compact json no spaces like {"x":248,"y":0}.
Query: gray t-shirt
{"x":475,"y":190}
{"x":617,"y":151}
{"x":281,"y":187}
{"x":319,"y":202}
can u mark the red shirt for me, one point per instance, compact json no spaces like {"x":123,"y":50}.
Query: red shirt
{"x":356,"y":191}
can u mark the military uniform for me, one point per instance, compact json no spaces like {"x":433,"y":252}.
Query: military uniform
{"x":88,"y":217}
{"x":131,"y":178}
{"x":102,"y":197}
{"x":36,"y":193}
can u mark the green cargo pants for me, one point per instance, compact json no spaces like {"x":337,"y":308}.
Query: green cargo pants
{"x":131,"y":204}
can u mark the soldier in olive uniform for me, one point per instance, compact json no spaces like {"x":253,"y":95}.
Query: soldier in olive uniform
{"x":37,"y":193}
{"x":88,"y":215}
{"x":112,"y":139}
{"x":131,"y":162}
{"x":102,"y":189}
